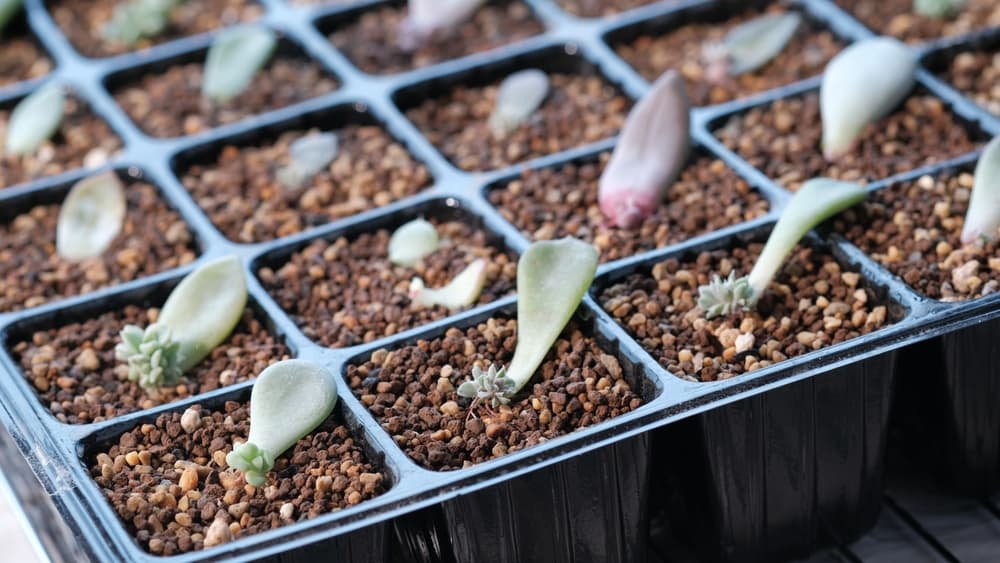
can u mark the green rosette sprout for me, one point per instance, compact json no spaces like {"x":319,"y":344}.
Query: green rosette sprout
{"x":8,"y":9}
{"x":412,"y":241}
{"x":983,"y":216}
{"x":91,"y":217}
{"x":750,"y":46}
{"x":817,"y":200}
{"x":34,"y":120}
{"x":199,"y":314}
{"x":426,"y":19}
{"x":234,"y":59}
{"x":552,"y":278}
{"x":938,"y":8}
{"x":134,"y":20}
{"x":289,"y":400}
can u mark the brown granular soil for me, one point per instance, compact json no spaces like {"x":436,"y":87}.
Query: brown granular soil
{"x":783,"y":140}
{"x":578,"y":110}
{"x":347,"y":292}
{"x":977,"y":75}
{"x":241,"y":194}
{"x":21,"y":59}
{"x":153,"y":238}
{"x":74,"y":370}
{"x":897,"y":18}
{"x":557,"y":202}
{"x":82,"y":140}
{"x":170,"y":104}
{"x":169,"y":485}
{"x":603,"y":8}
{"x":804,"y":56}
{"x":83,"y":22}
{"x":914,"y":229}
{"x":370,"y":42}
{"x":411,"y":392}
{"x":811,"y":304}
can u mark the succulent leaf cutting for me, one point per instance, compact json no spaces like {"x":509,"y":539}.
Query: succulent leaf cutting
{"x":308,"y":156}
{"x":750,"y":46}
{"x":552,"y":278}
{"x":34,"y":120}
{"x":234,"y":59}
{"x":650,"y":153}
{"x":463,"y":290}
{"x":412,"y":241}
{"x":426,"y":19}
{"x":983,"y":216}
{"x":938,"y":8}
{"x":90,"y":217}
{"x":289,"y":400}
{"x":199,"y":314}
{"x":861,"y":85}
{"x":817,"y":200}
{"x":133,"y":20}
{"x":518,"y":97}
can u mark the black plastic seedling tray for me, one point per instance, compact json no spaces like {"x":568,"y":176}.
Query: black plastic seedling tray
{"x":775,"y":462}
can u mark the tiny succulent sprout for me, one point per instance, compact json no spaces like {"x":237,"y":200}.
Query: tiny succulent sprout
{"x":938,"y":8}
{"x":199,"y":314}
{"x":133,"y":20}
{"x":817,"y":200}
{"x":34,"y":120}
{"x":8,"y":8}
{"x":749,"y":46}
{"x":90,"y":217}
{"x":289,"y":400}
{"x":649,"y":155}
{"x":461,"y":291}
{"x":234,"y":59}
{"x":861,"y":85}
{"x":308,"y":155}
{"x":412,"y":241}
{"x":519,"y":95}
{"x":983,"y":217}
{"x":427,"y":18}
{"x":552,"y":278}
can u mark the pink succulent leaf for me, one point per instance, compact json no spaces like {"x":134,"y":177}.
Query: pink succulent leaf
{"x":425,"y":18}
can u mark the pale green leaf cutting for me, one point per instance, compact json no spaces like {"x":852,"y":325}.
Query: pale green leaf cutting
{"x":8,"y":8}
{"x":428,"y":18}
{"x":753,"y":44}
{"x":289,"y":400}
{"x":412,"y":241}
{"x":133,"y":20}
{"x":460,"y":292}
{"x":35,"y":119}
{"x":938,"y":8}
{"x":518,"y":96}
{"x":234,"y":59}
{"x":983,"y":217}
{"x":90,"y":217}
{"x":308,"y":156}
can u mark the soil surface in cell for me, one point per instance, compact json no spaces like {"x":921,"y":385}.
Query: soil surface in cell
{"x":783,"y":140}
{"x":153,"y":238}
{"x":603,"y":8}
{"x":82,"y":140}
{"x":74,"y":371}
{"x":579,"y":109}
{"x":169,"y":482}
{"x":371,"y":41}
{"x":21,"y":58}
{"x":84,"y":22}
{"x":977,"y":75}
{"x":347,"y":292}
{"x":170,"y":104}
{"x":683,"y":49}
{"x":411,"y":392}
{"x":897,"y":18}
{"x":557,"y":202}
{"x":812,"y":303}
{"x":914,"y":229}
{"x":241,"y":193}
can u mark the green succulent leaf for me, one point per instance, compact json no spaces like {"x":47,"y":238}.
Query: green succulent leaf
{"x":983,"y":216}
{"x":308,"y":156}
{"x":461,"y":291}
{"x":751,"y":45}
{"x":8,"y":9}
{"x":429,"y":18}
{"x":412,"y":241}
{"x":90,"y":217}
{"x":519,"y":96}
{"x":234,"y":59}
{"x":938,"y":8}
{"x":35,"y":119}
{"x":133,"y":20}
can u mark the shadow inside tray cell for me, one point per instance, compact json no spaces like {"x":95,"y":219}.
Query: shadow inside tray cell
{"x":168,"y":481}
{"x":68,"y":359}
{"x":559,"y":201}
{"x":22,"y":56}
{"x":164,"y":97}
{"x":236,"y":181}
{"x":972,"y":68}
{"x":153,"y":238}
{"x":369,"y":36}
{"x":453,"y":111}
{"x":342,"y":290}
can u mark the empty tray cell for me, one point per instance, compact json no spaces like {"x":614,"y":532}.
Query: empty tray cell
{"x":369,"y":37}
{"x":236,"y":181}
{"x":783,"y":140}
{"x":21,"y":56}
{"x":897,"y":18}
{"x":562,"y":201}
{"x":604,"y":8}
{"x":85,"y":23}
{"x":169,"y":483}
{"x":343,"y":290}
{"x":82,"y":140}
{"x":453,"y":112}
{"x":679,"y":41}
{"x":411,"y":392}
{"x":914,"y":229}
{"x":976,"y":73}
{"x":71,"y":362}
{"x":812,"y":303}
{"x":165,"y":100}
{"x":153,"y":238}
